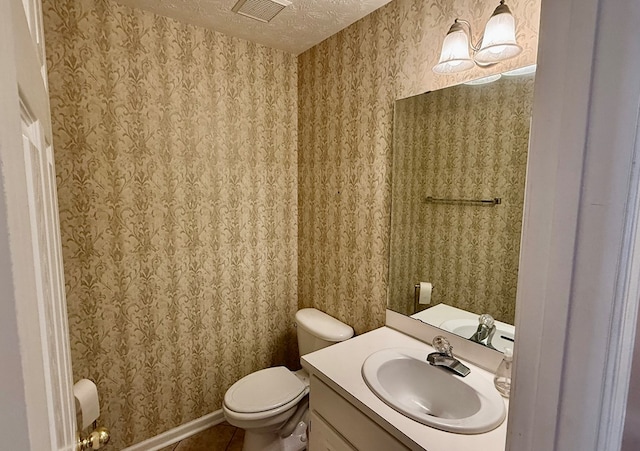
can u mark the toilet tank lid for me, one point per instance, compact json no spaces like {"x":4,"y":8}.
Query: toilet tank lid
{"x":322,"y":325}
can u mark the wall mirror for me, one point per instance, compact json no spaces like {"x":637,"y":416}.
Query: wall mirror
{"x":458,"y":176}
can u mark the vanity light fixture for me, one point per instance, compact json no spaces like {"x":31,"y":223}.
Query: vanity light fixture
{"x":498,"y":43}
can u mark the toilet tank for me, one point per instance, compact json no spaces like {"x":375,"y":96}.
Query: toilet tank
{"x":317,"y":330}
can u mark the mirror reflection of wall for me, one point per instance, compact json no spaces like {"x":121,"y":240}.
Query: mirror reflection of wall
{"x":462,"y":142}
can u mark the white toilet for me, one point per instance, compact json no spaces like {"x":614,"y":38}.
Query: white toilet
{"x":271,"y":405}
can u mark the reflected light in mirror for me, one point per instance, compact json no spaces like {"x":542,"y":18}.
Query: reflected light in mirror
{"x":521,"y":71}
{"x":484,"y":80}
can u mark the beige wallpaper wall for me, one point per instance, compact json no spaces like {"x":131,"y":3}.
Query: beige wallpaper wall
{"x":346,"y":89}
{"x":467,"y":142}
{"x":177,"y":182}
{"x":191,"y":229}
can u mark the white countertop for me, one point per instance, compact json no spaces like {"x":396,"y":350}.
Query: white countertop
{"x":440,"y":313}
{"x":339,"y":366}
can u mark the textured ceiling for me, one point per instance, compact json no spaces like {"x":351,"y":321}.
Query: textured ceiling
{"x":297,"y":28}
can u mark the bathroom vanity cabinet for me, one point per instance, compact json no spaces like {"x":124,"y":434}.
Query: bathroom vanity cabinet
{"x":338,"y":425}
{"x":346,"y":415}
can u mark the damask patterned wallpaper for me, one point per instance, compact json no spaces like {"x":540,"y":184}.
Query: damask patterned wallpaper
{"x":467,"y":142}
{"x":176,"y":162}
{"x":346,"y":89}
{"x":191,"y":229}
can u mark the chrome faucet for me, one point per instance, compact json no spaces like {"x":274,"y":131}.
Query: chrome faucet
{"x":443,"y":357}
{"x":486,"y":330}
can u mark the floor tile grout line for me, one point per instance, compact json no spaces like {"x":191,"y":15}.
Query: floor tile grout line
{"x":231,"y":439}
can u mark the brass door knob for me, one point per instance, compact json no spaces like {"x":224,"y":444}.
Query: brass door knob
{"x":96,"y":440}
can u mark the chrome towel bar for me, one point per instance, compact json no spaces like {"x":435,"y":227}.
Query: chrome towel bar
{"x":489,"y":202}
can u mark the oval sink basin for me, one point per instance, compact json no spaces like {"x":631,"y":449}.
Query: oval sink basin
{"x":406,"y":382}
{"x":503,"y":338}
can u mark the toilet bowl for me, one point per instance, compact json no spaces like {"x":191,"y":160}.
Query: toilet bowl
{"x":271,"y":405}
{"x":262,"y":403}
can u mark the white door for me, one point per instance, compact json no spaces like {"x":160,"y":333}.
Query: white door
{"x":29,"y":225}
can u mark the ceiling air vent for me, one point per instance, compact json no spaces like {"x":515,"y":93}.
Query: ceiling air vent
{"x":262,"y":10}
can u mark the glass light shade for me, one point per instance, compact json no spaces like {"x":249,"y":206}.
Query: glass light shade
{"x":484,"y":80}
{"x":455,"y":52}
{"x":499,"y":42}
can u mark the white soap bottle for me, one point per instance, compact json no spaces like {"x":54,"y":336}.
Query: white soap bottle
{"x":502,"y":379}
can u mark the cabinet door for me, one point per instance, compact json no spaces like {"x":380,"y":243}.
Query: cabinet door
{"x":353,"y":426}
{"x":323,"y":437}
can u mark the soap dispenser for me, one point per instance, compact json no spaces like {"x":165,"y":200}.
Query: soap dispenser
{"x":502,"y":379}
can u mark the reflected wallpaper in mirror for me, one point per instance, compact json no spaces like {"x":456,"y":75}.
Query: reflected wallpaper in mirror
{"x":462,"y":142}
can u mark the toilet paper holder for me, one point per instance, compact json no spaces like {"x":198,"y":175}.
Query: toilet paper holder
{"x":85,"y":393}
{"x":416,"y":296}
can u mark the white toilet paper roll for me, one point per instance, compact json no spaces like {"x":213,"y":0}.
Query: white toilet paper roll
{"x":86,"y":394}
{"x":425,"y":293}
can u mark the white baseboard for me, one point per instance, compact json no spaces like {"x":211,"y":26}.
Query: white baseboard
{"x":179,"y":433}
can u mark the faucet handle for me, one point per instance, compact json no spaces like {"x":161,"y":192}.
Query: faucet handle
{"x":442,"y":345}
{"x":486,"y":320}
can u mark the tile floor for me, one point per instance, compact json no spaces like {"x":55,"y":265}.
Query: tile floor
{"x":222,"y":437}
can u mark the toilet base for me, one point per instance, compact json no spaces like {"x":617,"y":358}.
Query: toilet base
{"x":271,"y":441}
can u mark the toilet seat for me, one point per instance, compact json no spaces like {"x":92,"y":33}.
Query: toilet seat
{"x":264,"y":393}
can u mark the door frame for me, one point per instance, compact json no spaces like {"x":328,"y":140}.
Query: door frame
{"x":578,"y":291}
